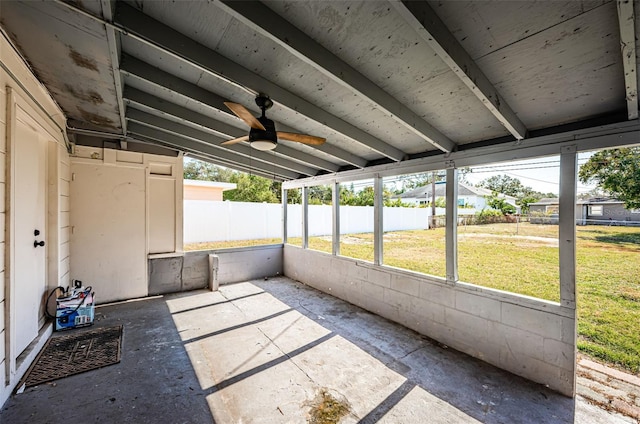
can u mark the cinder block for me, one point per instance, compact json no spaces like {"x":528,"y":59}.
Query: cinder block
{"x":353,"y":286}
{"x":444,"y":295}
{"x":372,"y":290}
{"x":359,"y":300}
{"x":569,"y":330}
{"x":535,"y":321}
{"x":404,"y":284}
{"x":437,"y":331}
{"x":383,"y":309}
{"x":517,"y":340}
{"x":397,"y":299}
{"x":380,"y":278}
{"x":528,"y":367}
{"x":356,"y":271}
{"x":427,"y":310}
{"x":195,"y":271}
{"x":468,"y":329}
{"x":478,"y":305}
{"x":165,"y":275}
{"x":560,"y":354}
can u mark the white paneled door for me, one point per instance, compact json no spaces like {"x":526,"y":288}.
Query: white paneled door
{"x":30,"y":177}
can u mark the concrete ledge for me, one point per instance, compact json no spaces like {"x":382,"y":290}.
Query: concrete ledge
{"x":174,"y":273}
{"x":165,"y":255}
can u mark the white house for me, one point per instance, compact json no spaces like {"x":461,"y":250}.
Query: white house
{"x":468,"y":196}
{"x":206,"y":190}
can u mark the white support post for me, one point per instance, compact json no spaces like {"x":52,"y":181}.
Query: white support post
{"x":451,"y":235}
{"x":335,"y":233}
{"x":568,"y":186}
{"x":305,"y":217}
{"x":285,"y":236}
{"x":378,"y":227}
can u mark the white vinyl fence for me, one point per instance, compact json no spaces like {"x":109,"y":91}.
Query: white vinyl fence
{"x":206,"y":220}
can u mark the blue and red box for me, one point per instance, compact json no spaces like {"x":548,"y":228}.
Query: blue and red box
{"x":75,"y":310}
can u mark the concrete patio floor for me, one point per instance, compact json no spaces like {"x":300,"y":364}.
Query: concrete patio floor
{"x":261,"y":351}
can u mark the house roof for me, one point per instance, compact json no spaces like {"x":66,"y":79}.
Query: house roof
{"x":211,"y":184}
{"x":463,"y":190}
{"x":593,"y":201}
{"x":546,"y":201}
{"x":380,"y":82}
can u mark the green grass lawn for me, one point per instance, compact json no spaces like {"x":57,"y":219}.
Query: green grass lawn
{"x":608,"y":272}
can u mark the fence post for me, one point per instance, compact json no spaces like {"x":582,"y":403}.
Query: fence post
{"x":335,"y":229}
{"x":451,"y":225}
{"x":378,"y":203}
{"x":567,"y":230}
{"x":305,"y":217}
{"x":284,"y":216}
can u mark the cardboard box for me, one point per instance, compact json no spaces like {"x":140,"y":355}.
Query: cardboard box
{"x":74,"y":311}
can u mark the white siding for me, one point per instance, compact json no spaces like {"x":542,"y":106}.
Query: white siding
{"x":21,"y":77}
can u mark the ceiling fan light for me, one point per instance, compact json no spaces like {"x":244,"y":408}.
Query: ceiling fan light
{"x":263,"y":144}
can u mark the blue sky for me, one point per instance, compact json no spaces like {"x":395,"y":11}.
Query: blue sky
{"x":541,"y":174}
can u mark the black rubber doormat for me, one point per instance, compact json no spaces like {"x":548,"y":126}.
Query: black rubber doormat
{"x":76,"y":353}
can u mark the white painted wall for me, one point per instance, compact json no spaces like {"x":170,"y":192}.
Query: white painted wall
{"x":108,"y":239}
{"x":206,"y":221}
{"x":33,"y":98}
{"x":123,"y":208}
{"x":528,"y":337}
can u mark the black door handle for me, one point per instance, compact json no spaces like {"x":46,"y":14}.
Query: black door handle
{"x":37,"y":243}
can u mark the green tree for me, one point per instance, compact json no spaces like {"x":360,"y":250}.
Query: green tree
{"x":347,"y":196}
{"x":617,"y":171}
{"x":525,"y":201}
{"x":294,"y":196}
{"x":205,"y":171}
{"x":513,"y":187}
{"x":251,"y":188}
{"x":504,"y":184}
{"x":496,"y":202}
{"x":320,"y":195}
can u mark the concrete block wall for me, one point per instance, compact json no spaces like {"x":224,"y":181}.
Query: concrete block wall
{"x":174,"y":273}
{"x":528,"y":337}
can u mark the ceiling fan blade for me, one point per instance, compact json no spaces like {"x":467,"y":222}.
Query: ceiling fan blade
{"x":301,"y":138}
{"x":235,"y":140}
{"x":244,"y":114}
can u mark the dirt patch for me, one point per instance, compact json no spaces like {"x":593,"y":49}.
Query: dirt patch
{"x":327,"y":408}
{"x":354,"y":240}
{"x":534,"y":241}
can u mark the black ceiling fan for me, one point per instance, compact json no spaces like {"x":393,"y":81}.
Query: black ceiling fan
{"x":263,"y":134}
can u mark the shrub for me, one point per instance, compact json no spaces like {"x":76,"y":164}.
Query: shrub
{"x":489,"y":216}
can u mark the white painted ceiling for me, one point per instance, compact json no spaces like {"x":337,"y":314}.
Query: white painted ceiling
{"x":383,"y":81}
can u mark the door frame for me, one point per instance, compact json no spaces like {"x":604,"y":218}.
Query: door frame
{"x":16,"y":104}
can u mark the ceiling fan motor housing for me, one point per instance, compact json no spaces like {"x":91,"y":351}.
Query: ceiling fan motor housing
{"x":264,"y":140}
